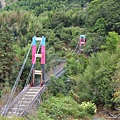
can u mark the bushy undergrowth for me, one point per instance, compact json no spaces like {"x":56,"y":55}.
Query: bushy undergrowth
{"x":61,"y":108}
{"x":13,"y":118}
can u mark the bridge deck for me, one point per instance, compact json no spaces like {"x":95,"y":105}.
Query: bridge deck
{"x":28,"y":96}
{"x":21,"y":104}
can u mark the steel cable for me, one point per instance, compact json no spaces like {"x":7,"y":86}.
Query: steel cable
{"x":15,"y":84}
{"x":18,"y":106}
{"x":76,"y":47}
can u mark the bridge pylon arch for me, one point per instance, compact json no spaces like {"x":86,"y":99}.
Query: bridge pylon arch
{"x":42,"y":61}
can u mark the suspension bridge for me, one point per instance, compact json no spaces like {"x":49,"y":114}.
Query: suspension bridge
{"x":19,"y":105}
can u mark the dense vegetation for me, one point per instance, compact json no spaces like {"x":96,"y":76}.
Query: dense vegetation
{"x":61,"y":22}
{"x":62,"y":107}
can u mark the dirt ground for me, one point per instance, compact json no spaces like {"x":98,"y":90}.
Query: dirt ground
{"x":107,"y":114}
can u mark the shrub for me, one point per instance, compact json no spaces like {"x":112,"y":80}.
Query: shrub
{"x":63,"y":107}
{"x":88,"y":107}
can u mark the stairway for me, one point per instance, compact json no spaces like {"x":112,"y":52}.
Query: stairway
{"x":22,"y":104}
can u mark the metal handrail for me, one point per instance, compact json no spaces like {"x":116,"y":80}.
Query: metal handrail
{"x":34,"y":100}
{"x":28,"y":78}
{"x":5,"y":109}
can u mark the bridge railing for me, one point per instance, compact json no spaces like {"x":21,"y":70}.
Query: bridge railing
{"x":33,"y":101}
{"x":7,"y":105}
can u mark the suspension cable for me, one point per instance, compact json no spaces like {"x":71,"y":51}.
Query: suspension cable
{"x":28,"y":78}
{"x":15,"y":84}
{"x":76,"y":47}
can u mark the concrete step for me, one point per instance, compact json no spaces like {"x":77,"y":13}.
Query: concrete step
{"x":29,"y":96}
{"x":31,"y":92}
{"x":10,"y":113}
{"x":16,"y":109}
{"x":19,"y":106}
{"x":32,"y":88}
{"x":26,"y":99}
{"x":23,"y":102}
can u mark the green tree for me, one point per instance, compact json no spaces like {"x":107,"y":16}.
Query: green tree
{"x":97,"y":78}
{"x":93,"y":44}
{"x":76,"y":65}
{"x":58,"y":18}
{"x":116,"y":79}
{"x":100,"y":26}
{"x":7,"y":55}
{"x":56,"y":86}
{"x":108,"y":11}
{"x":112,"y":41}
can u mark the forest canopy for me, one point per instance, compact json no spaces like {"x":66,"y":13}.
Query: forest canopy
{"x":62,"y":22}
